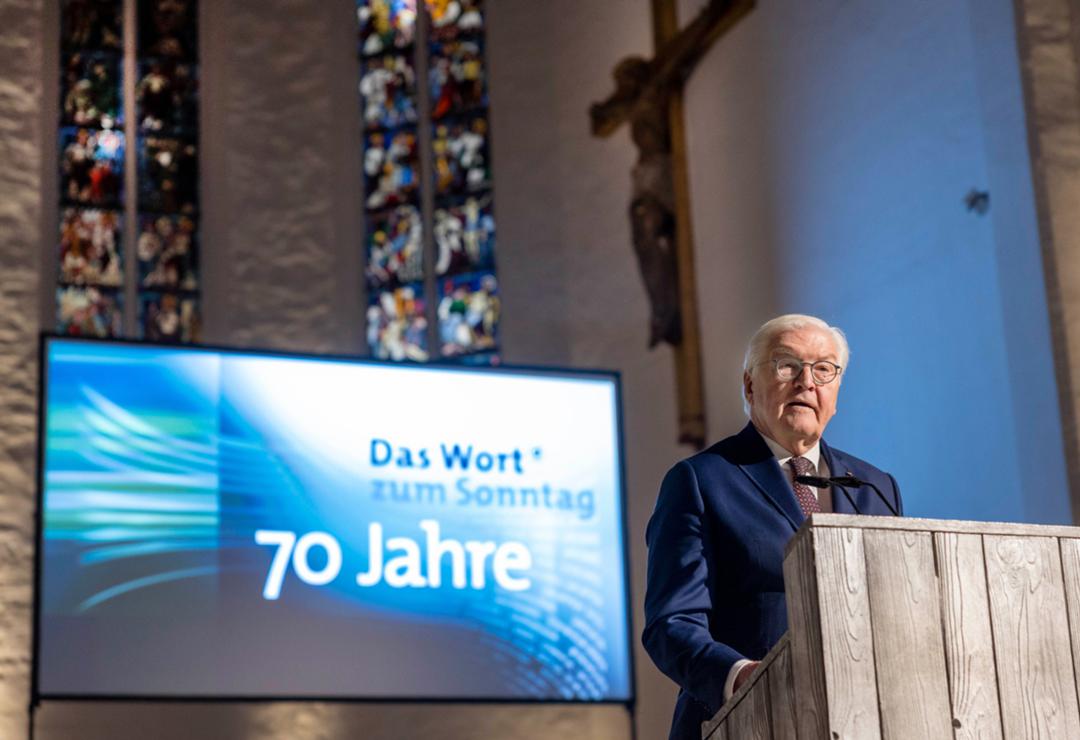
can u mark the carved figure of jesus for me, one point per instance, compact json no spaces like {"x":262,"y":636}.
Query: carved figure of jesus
{"x":643,"y":89}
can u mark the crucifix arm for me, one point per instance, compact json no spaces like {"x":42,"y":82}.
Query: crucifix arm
{"x":637,"y":77}
{"x":607,"y":116}
{"x":678,"y":57}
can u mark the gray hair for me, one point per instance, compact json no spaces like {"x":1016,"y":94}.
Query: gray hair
{"x":763,"y":338}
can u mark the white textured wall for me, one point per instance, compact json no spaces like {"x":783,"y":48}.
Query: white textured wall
{"x":21,"y":82}
{"x":281,"y":158}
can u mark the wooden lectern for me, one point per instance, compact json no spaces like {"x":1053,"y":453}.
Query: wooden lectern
{"x":919,"y":628}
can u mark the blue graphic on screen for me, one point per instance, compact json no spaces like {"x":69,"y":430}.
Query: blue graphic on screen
{"x":231,"y":524}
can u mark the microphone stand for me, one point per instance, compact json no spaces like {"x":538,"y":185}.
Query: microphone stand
{"x":819,"y":482}
{"x":844,"y":482}
{"x":850,"y":480}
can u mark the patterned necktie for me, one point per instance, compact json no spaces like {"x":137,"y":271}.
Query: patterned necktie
{"x":807,"y":498}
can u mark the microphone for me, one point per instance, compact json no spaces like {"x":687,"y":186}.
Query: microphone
{"x":819,"y":482}
{"x":812,"y":480}
{"x":850,"y":481}
{"x":845,"y":482}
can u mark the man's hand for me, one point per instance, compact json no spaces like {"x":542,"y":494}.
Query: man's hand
{"x":744,"y":674}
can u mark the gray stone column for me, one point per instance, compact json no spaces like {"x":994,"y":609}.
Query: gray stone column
{"x":1049,"y":44}
{"x":21,"y":242}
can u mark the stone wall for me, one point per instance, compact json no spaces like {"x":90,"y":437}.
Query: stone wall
{"x":21,"y":193}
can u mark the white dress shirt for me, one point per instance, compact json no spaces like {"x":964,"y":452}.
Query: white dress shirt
{"x":824,"y":497}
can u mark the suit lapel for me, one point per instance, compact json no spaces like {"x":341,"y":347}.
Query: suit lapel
{"x":759,"y":464}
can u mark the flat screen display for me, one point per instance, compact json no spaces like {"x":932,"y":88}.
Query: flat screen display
{"x":226,"y":524}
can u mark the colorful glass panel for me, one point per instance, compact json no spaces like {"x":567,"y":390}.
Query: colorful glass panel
{"x":167,"y":250}
{"x":397,"y":324}
{"x":168,"y":28}
{"x":465,"y":236}
{"x":91,"y":24}
{"x":452,"y":19}
{"x":385,"y":25}
{"x":90,"y":251}
{"x":461,"y":156}
{"x":167,"y":96}
{"x":168,"y":317}
{"x":391,"y":161}
{"x":395,"y":247}
{"x":468,"y":312}
{"x":388,"y":89}
{"x":90,"y":90}
{"x":88,"y":311}
{"x":168,"y":175}
{"x":91,"y":166}
{"x":456,"y":76}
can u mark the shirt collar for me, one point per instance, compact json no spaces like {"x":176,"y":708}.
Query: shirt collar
{"x":783,"y":454}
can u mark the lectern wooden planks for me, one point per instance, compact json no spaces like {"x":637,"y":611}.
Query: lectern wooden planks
{"x":847,"y":645}
{"x":909,"y":652}
{"x":1070,"y":567}
{"x":750,"y":720}
{"x":807,"y":669}
{"x":969,"y":643}
{"x":1031,"y":637}
{"x":918,"y":628}
{"x":781,"y":698}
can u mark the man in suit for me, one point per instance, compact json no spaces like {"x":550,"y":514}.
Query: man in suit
{"x":714,"y":603}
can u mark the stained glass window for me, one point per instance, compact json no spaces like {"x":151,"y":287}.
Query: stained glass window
{"x":442,"y":220}
{"x":393,"y":225}
{"x":167,"y":115}
{"x":162,"y":273}
{"x":469,"y":305}
{"x":91,"y":147}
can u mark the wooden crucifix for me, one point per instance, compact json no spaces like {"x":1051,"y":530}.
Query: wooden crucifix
{"x":648,"y":96}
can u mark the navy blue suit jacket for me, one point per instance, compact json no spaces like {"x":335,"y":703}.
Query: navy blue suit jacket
{"x":716,"y":540}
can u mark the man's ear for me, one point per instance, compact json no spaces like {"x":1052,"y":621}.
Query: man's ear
{"x":747,"y":387}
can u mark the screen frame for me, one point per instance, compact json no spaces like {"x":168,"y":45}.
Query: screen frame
{"x":47,"y":339}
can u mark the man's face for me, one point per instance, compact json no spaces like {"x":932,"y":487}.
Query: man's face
{"x":794,"y":412}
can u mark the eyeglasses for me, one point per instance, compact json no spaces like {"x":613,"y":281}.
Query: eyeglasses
{"x":822,"y":371}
